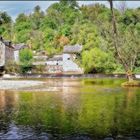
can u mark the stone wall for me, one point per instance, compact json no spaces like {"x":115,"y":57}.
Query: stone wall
{"x":9,"y":54}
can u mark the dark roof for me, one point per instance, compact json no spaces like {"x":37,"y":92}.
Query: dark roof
{"x":20,"y":46}
{"x":72,"y":48}
{"x":7,"y":43}
{"x":56,"y":58}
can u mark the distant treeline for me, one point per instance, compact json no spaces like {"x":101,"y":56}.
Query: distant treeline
{"x":66,"y":22}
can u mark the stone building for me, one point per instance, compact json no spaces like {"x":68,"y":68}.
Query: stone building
{"x":6,"y":52}
{"x":9,"y":52}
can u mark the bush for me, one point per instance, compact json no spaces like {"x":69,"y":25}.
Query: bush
{"x":98,"y":61}
{"x":26,"y":57}
{"x":39,"y":69}
{"x":11,"y":67}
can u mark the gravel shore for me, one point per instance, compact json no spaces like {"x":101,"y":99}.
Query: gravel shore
{"x":18,"y":84}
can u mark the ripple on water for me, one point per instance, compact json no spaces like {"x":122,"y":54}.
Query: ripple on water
{"x":19,"y":133}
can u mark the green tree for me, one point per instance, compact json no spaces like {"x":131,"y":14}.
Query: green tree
{"x":26,"y":57}
{"x":122,"y":43}
{"x":5,"y":25}
{"x":22,"y":29}
{"x":96,"y":60}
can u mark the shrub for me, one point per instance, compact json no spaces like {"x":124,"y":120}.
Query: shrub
{"x":26,"y":57}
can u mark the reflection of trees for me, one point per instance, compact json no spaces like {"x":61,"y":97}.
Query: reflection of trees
{"x":72,"y":111}
{"x":71,"y":105}
{"x":126,"y":112}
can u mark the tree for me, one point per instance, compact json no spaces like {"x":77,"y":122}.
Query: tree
{"x":5,"y":25}
{"x":96,"y":60}
{"x":121,"y":49}
{"x":37,"y":17}
{"x":26,"y":57}
{"x":22,"y":29}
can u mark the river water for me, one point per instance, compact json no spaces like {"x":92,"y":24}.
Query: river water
{"x":71,"y":109}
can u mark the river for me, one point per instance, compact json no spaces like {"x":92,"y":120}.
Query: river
{"x":71,"y":109}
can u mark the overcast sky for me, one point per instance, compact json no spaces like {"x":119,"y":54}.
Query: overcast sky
{"x":15,"y":7}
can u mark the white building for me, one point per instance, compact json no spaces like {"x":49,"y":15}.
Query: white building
{"x":65,"y":63}
{"x":55,"y":64}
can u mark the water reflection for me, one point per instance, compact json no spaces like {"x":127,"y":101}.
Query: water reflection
{"x":82,"y":109}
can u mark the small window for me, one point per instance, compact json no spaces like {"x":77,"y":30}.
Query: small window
{"x":68,"y":58}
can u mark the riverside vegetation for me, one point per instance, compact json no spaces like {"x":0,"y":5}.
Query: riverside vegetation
{"x":105,"y":49}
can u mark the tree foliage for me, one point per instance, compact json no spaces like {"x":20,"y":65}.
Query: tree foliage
{"x":65,"y":22}
{"x":26,"y":57}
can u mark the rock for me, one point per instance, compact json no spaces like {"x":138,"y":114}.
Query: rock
{"x":109,"y":138}
{"x":131,"y":138}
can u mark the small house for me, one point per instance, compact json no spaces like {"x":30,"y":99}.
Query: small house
{"x":65,"y":63}
{"x":9,"y":52}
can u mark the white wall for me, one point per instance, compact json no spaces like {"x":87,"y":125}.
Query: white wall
{"x":69,"y":65}
{"x":16,"y":56}
{"x":2,"y":54}
{"x":54,"y":63}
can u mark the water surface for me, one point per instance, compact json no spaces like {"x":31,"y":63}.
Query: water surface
{"x":71,"y":109}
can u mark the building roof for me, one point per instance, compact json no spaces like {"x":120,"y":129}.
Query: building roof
{"x":20,"y":46}
{"x":7,"y":43}
{"x":56,"y":58}
{"x":73,"y":48}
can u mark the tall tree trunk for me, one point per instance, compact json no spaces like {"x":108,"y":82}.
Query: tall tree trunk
{"x":129,"y":76}
{"x":115,"y":40}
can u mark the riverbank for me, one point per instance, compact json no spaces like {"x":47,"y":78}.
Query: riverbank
{"x":18,"y":84}
{"x":37,"y":76}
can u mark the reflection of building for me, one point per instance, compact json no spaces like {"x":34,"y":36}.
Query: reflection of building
{"x":8,"y":99}
{"x":71,"y":93}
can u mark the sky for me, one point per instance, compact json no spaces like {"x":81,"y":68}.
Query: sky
{"x":13,"y":8}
